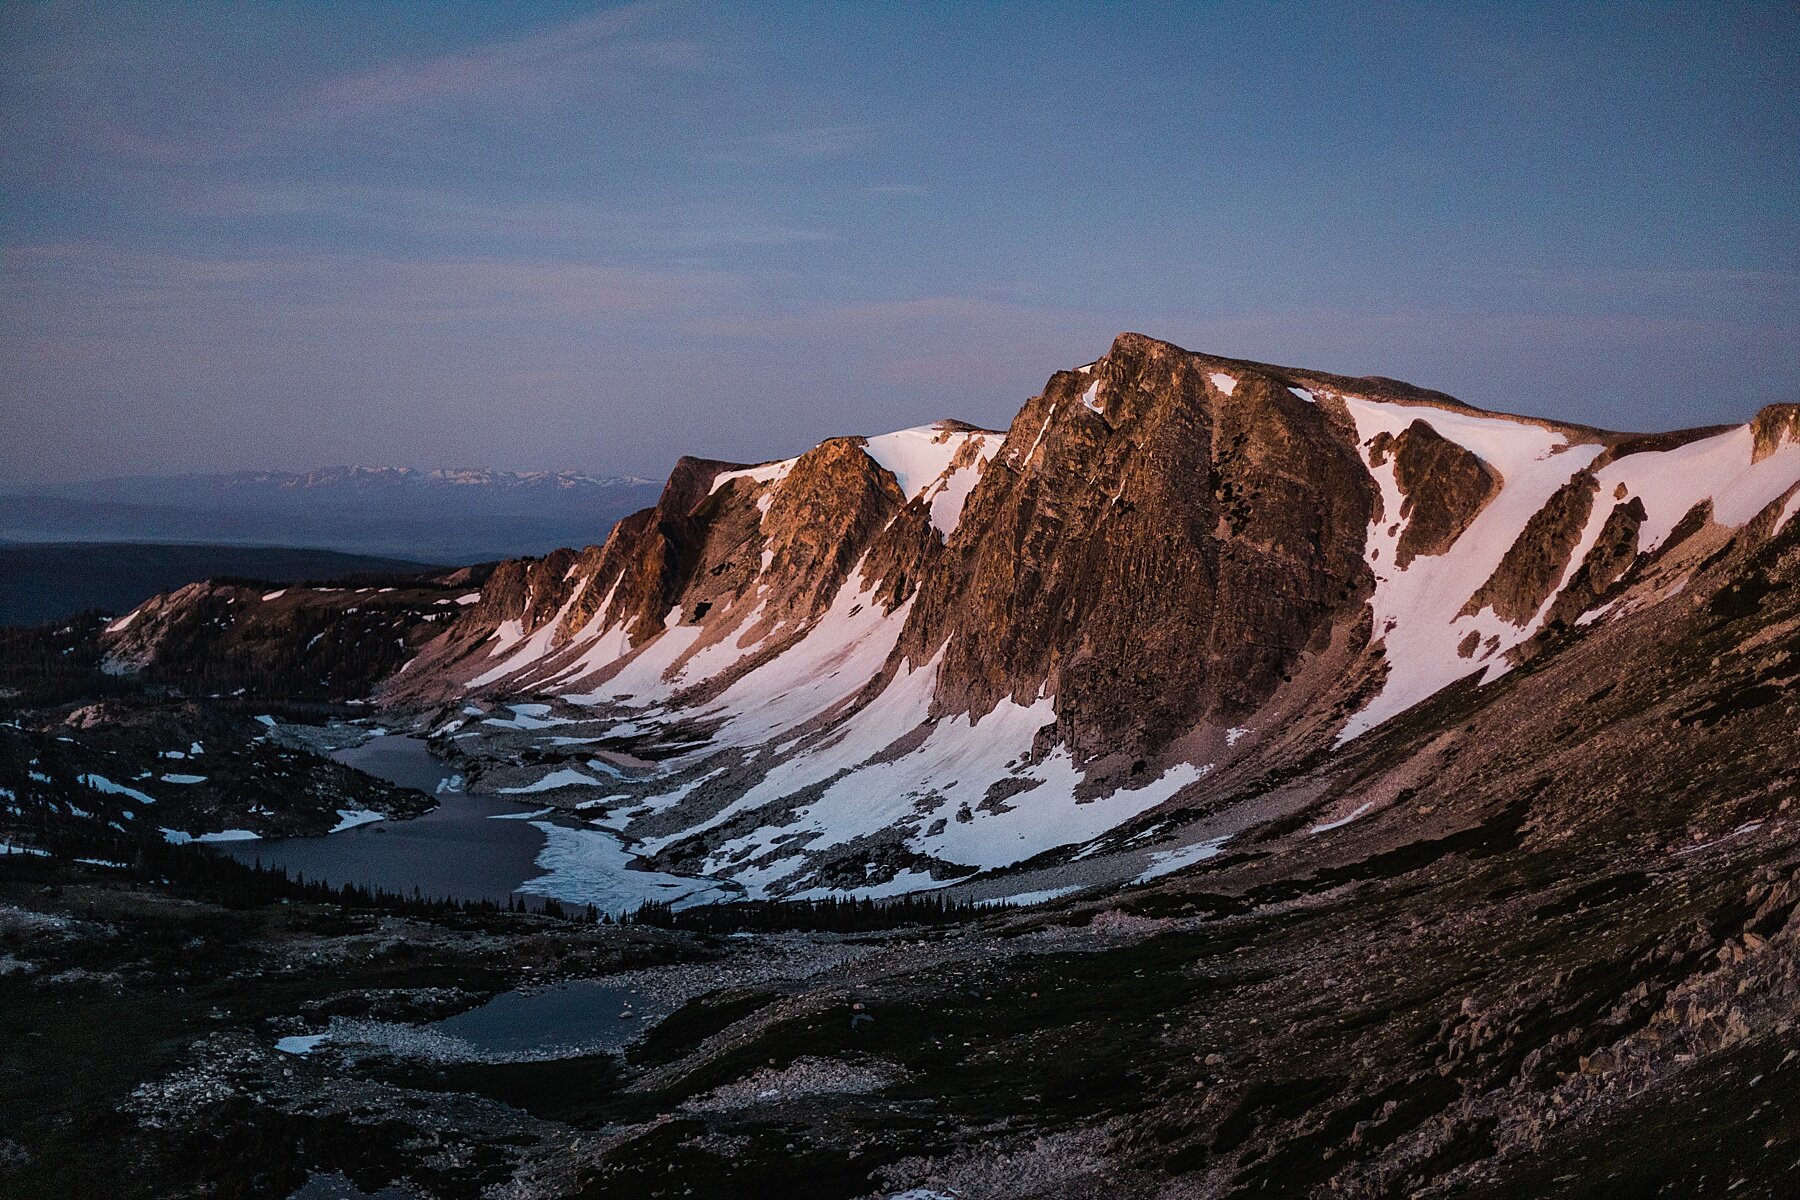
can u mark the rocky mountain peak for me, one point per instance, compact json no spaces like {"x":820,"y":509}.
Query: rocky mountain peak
{"x":1156,"y":510}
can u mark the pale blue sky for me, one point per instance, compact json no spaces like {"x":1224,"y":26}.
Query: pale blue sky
{"x":559,"y":235}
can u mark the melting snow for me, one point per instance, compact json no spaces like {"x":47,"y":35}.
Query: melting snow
{"x":1358,"y":811}
{"x":1225,"y":383}
{"x":567,"y":777}
{"x":1788,"y":510}
{"x":301,"y":1044}
{"x":528,"y":716}
{"x":1417,"y":610}
{"x":1167,"y":862}
{"x":839,"y":654}
{"x":176,"y":837}
{"x":953,"y":490}
{"x":943,"y":781}
{"x":1026,"y":899}
{"x":101,"y":783}
{"x":916,"y":457}
{"x":1671,"y":482}
{"x":773,"y":472}
{"x":588,"y":866}
{"x":350,"y":818}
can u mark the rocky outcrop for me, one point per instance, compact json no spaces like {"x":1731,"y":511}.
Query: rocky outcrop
{"x":1445,"y":487}
{"x":656,"y":557}
{"x":821,"y":521}
{"x":1534,"y":565}
{"x":1771,"y":427}
{"x":299,"y":642}
{"x":1611,"y":555}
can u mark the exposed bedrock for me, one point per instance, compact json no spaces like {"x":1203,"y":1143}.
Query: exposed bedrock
{"x":1773,"y":425}
{"x":1444,"y":486}
{"x":1611,"y":555}
{"x":1535,"y":563}
{"x":835,"y":501}
{"x":1150,"y":546}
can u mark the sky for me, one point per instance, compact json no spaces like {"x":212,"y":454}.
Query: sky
{"x":552,"y":235}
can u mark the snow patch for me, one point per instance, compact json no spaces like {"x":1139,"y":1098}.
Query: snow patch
{"x":1417,"y":611}
{"x":1167,"y":862}
{"x":1026,"y":899}
{"x":566,"y":777}
{"x":101,"y":783}
{"x":588,"y":866}
{"x":1358,"y":811}
{"x":176,"y":837}
{"x":301,"y":1044}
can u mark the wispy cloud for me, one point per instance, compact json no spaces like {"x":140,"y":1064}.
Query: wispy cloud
{"x":75,"y":88}
{"x":560,"y":58}
{"x":98,"y":289}
{"x":423,"y":212}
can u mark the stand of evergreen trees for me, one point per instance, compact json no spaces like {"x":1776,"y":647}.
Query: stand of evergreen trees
{"x":831,"y":915}
{"x":204,"y":874}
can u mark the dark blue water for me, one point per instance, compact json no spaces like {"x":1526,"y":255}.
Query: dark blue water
{"x":591,"y":1014}
{"x":453,"y":851}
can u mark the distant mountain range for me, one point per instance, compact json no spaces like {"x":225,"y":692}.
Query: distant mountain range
{"x":48,"y":581}
{"x":455,"y":515}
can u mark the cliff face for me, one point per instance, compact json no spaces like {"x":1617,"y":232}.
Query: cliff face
{"x":1173,"y":580}
{"x":1157,"y":543}
{"x":1453,"y":483}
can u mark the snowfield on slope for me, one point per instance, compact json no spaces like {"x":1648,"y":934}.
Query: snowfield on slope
{"x":1417,"y":609}
{"x":835,"y":751}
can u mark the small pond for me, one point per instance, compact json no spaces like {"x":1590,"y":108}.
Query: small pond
{"x":594,"y":1014}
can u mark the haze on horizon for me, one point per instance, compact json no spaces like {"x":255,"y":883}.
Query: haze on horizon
{"x":552,"y":235}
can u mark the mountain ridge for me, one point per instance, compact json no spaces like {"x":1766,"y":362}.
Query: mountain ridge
{"x":911,"y":659}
